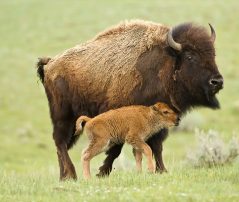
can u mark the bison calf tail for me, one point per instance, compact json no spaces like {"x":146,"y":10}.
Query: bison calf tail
{"x":40,"y":67}
{"x":80,"y":123}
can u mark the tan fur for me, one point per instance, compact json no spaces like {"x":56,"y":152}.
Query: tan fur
{"x":132,"y":124}
{"x":79,"y":124}
{"x":116,"y":49}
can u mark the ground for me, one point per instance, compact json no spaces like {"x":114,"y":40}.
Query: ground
{"x":28,"y":162}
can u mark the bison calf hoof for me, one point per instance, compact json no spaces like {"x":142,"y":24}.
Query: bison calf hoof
{"x":151,"y":170}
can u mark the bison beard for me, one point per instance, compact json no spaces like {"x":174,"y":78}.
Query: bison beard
{"x":136,"y":62}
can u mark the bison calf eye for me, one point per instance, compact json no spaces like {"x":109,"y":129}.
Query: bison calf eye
{"x":165,"y":112}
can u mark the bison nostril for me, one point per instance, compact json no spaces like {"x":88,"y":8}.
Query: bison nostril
{"x":216,"y":82}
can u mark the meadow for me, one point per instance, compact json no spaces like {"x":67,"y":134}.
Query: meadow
{"x":28,"y":161}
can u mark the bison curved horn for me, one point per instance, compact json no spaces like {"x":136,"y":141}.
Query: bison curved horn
{"x":173,"y":44}
{"x":213,"y":33}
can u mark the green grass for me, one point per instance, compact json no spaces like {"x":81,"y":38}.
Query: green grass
{"x":183,"y":185}
{"x":28,"y":163}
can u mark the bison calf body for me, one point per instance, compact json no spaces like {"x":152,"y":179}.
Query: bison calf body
{"x":133,"y":63}
{"x":132,"y":124}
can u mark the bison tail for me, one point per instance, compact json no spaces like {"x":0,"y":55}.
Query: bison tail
{"x":40,"y":67}
{"x":80,"y":123}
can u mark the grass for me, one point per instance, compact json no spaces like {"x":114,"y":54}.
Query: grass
{"x":28,"y":164}
{"x":182,"y":184}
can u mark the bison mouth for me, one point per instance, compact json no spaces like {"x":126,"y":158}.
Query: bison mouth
{"x":213,"y":102}
{"x":210,"y":93}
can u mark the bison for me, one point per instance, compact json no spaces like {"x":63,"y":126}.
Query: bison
{"x":132,"y":124}
{"x":134,"y":63}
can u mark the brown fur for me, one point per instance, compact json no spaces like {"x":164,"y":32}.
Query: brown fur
{"x":132,"y":124}
{"x":128,"y":64}
{"x":109,"y":50}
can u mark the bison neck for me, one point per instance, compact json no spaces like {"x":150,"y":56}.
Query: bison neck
{"x":180,"y":99}
{"x":183,"y":100}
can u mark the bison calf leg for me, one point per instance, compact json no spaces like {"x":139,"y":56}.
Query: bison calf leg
{"x":86,"y":166}
{"x":95,"y":147}
{"x":148,"y":153}
{"x":138,"y":158}
{"x":139,"y":146}
{"x":112,"y":154}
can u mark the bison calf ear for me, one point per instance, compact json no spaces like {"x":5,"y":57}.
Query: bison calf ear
{"x":77,"y":133}
{"x":154,"y":108}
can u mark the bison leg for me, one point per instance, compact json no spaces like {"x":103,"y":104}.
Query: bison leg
{"x":138,"y":158}
{"x":60,"y":164}
{"x":112,"y":154}
{"x":140,"y":146}
{"x":61,"y":134}
{"x":95,"y":147}
{"x":148,"y":153}
{"x":156,"y":144}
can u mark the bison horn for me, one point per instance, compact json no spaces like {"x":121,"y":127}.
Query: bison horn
{"x":213,"y":33}
{"x":173,"y":44}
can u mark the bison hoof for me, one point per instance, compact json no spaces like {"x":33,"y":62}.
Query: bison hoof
{"x":158,"y":170}
{"x":68,"y":176}
{"x":104,"y":172}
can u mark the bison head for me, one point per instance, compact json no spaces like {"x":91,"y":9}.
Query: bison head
{"x":195,"y":70}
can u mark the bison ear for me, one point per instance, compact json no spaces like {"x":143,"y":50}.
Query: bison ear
{"x":172,"y":52}
{"x":153,"y":107}
{"x":77,"y":133}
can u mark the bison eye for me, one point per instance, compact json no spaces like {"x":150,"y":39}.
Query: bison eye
{"x":189,"y":57}
{"x":165,"y":112}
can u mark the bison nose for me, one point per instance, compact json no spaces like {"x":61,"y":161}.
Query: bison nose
{"x":216,"y":82}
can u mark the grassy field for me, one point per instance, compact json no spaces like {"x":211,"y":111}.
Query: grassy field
{"x":28,"y":162}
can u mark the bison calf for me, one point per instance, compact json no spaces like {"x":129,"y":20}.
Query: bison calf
{"x":132,"y":124}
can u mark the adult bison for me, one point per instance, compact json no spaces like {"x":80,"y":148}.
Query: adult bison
{"x":135,"y":62}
